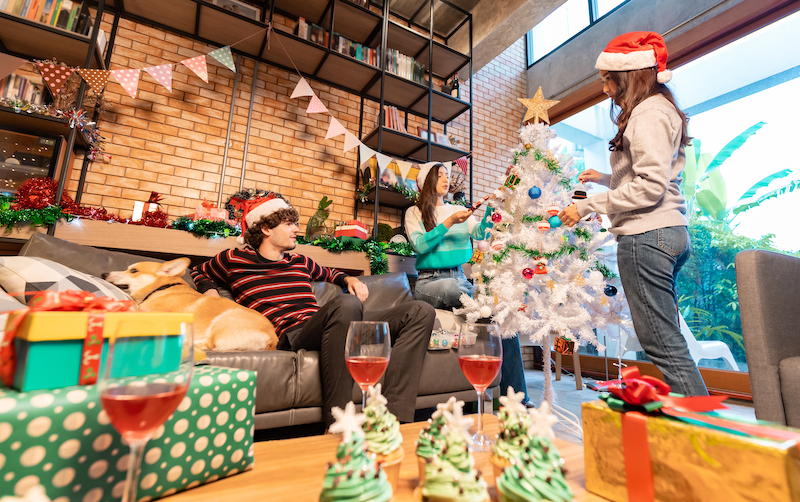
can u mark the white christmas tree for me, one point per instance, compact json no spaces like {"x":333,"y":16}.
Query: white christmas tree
{"x":534,"y":276}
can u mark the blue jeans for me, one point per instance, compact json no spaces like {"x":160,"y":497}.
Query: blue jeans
{"x":648,"y":268}
{"x":443,"y":288}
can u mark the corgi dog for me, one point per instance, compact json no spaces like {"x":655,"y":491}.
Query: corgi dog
{"x":219,"y":323}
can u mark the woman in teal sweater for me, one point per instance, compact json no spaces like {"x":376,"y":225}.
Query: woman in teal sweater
{"x":440,"y":234}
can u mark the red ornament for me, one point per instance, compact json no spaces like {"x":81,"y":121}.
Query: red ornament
{"x":540,"y":269}
{"x":527,"y":273}
{"x":496,"y":218}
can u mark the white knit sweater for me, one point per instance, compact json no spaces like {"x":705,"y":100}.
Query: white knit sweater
{"x":645,"y":180}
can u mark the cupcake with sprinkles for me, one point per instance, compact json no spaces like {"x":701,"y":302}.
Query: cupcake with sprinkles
{"x":514,"y":425}
{"x":538,"y":473}
{"x":382,"y":435}
{"x":431,"y":438}
{"x":355,"y":476}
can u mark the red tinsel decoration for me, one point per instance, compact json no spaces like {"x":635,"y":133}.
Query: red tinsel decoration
{"x":36,"y":193}
{"x":155,"y":198}
{"x":157,"y":218}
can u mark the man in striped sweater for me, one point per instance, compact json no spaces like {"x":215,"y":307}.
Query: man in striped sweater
{"x":265,"y":277}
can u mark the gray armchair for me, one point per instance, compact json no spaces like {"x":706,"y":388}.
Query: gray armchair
{"x":769,"y":302}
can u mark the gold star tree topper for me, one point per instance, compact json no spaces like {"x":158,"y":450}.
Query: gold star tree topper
{"x":537,"y":107}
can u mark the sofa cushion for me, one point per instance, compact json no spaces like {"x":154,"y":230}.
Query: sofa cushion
{"x":789,"y":370}
{"x":86,"y":259}
{"x":21,"y":276}
{"x":386,"y":291}
{"x":7,"y":302}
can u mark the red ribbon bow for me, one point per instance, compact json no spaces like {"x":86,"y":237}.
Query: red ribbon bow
{"x":54,"y":301}
{"x":639,"y":390}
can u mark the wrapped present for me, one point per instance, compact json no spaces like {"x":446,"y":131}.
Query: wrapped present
{"x":645,"y":444}
{"x":565,"y":346}
{"x":352,"y":228}
{"x":209,"y":211}
{"x":63,"y":440}
{"x":60,"y":339}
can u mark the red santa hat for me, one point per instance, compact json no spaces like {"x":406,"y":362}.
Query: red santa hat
{"x":635,"y":51}
{"x":255,"y":209}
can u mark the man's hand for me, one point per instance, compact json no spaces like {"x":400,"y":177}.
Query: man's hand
{"x":211,"y":292}
{"x":356,"y":287}
{"x":589,"y":176}
{"x":569,"y":216}
{"x":455,"y":218}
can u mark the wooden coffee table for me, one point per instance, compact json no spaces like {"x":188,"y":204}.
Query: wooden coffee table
{"x":293,"y":469}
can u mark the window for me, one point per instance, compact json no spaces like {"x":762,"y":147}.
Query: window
{"x":748,"y":200}
{"x":571,"y":18}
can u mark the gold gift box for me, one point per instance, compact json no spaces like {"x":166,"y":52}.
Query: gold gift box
{"x":690,"y":463}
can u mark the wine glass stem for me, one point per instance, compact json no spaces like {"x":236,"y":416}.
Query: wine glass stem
{"x":363,"y":401}
{"x":134,"y":468}
{"x":480,"y":414}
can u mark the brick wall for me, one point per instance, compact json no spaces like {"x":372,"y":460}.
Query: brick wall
{"x":174,"y":143}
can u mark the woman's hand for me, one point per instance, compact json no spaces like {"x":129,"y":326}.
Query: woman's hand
{"x":569,"y":216}
{"x":589,"y":176}
{"x":455,"y":218}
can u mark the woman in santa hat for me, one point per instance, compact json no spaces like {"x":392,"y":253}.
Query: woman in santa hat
{"x":644,"y":203}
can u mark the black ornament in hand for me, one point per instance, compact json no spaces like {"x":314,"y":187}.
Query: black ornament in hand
{"x":610,"y":290}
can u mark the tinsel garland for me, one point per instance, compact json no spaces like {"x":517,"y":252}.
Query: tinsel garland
{"x":35,"y":217}
{"x":206,"y":228}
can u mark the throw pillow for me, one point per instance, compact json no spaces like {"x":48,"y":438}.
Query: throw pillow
{"x":21,"y":276}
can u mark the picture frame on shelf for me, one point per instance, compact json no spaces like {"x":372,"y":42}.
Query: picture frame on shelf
{"x":241,"y":8}
{"x":422,"y":133}
{"x":441,"y":139}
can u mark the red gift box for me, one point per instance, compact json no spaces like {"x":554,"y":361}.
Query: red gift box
{"x":352,"y":228}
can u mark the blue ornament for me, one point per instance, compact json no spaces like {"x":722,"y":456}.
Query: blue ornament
{"x":610,"y":290}
{"x":535,"y":192}
{"x":554,"y":222}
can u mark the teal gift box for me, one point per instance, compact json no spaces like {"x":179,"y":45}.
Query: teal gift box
{"x":49,"y":346}
{"x":63,"y":440}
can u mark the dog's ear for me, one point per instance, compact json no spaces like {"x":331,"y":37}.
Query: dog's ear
{"x":174,"y":268}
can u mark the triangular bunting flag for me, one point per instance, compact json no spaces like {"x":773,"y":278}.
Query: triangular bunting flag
{"x":350,"y":142}
{"x":162,"y":74}
{"x":364,"y":154}
{"x":383,"y":161}
{"x":224,"y":56}
{"x":54,"y":76}
{"x":335,"y":129}
{"x":302,"y":89}
{"x":128,"y":79}
{"x":8,"y":64}
{"x":198,"y":66}
{"x":463,"y":163}
{"x":96,"y":79}
{"x":315,"y":106}
{"x":404,"y":168}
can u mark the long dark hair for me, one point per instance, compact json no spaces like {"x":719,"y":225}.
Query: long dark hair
{"x":428,"y":197}
{"x":633,"y":87}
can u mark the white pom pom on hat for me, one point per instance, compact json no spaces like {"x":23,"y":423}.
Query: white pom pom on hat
{"x":635,"y":51}
{"x":255,"y":209}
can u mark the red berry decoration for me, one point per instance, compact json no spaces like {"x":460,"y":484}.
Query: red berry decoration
{"x":527,"y":273}
{"x":496,"y":218}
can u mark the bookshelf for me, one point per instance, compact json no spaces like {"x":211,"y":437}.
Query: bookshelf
{"x":29,"y":39}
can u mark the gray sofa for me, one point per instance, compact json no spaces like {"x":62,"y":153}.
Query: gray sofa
{"x":769,"y":301}
{"x":289,"y":389}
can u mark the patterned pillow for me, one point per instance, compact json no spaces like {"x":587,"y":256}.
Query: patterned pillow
{"x":21,"y":276}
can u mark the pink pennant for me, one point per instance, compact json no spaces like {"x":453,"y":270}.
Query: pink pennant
{"x":315,"y":106}
{"x":9,"y":64}
{"x":162,"y":74}
{"x":128,"y":79}
{"x":335,"y":129}
{"x":54,"y":76}
{"x":198,"y":66}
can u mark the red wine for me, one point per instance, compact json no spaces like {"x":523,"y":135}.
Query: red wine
{"x":366,"y":370}
{"x":136,"y":411}
{"x":480,"y":370}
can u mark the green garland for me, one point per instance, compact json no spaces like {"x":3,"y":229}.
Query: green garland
{"x":35,"y":217}
{"x":206,"y":228}
{"x":411,"y":195}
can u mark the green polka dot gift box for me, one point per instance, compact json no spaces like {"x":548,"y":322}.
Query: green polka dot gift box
{"x":63,"y":440}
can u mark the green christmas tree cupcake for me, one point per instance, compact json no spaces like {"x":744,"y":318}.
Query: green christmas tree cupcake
{"x":431,"y":438}
{"x":514,"y":425}
{"x":537,"y":474}
{"x":382,"y":434}
{"x":355,"y":476}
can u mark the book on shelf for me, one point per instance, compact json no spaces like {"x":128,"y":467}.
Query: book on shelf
{"x":392,"y":119}
{"x":318,"y":35}
{"x":23,"y":87}
{"x":65,"y":14}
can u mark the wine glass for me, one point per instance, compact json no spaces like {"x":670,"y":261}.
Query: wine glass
{"x":145,"y":376}
{"x":480,"y":354}
{"x":366,"y":353}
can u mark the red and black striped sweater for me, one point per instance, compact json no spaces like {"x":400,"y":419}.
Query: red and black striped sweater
{"x":280,"y":290}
